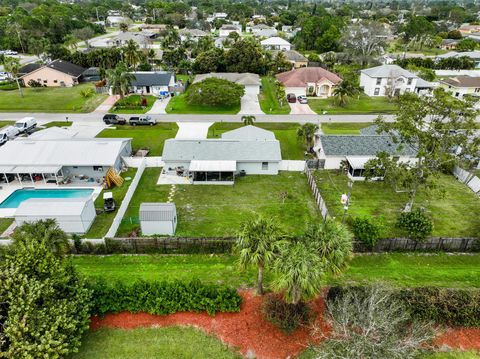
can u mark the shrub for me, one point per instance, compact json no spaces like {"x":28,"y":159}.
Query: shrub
{"x":8,"y":86}
{"x":163,"y":297}
{"x":286,"y":316}
{"x":215,"y":92}
{"x":415,"y":224}
{"x":34,"y":83}
{"x":366,"y":230}
{"x":88,"y":92}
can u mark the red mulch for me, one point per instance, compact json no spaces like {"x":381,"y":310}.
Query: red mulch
{"x":247,"y":330}
{"x":460,"y":338}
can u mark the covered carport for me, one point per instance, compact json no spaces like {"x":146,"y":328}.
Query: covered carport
{"x":221,"y":172}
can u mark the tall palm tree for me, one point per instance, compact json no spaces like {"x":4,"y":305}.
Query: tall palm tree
{"x":12,"y":65}
{"x":131,"y":52}
{"x":344,"y":91}
{"x":307,"y":133}
{"x":248,"y":120}
{"x":46,"y":231}
{"x":298,"y":272}
{"x":120,"y":79}
{"x":259,"y":241}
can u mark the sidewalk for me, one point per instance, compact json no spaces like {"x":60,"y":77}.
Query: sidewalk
{"x":107,"y":104}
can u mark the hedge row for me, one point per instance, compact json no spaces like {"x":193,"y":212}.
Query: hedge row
{"x":454,"y":307}
{"x":163,"y":297}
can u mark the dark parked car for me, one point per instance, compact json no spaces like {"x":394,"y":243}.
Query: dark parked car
{"x":291,"y":98}
{"x":142,"y":121}
{"x":112,"y":119}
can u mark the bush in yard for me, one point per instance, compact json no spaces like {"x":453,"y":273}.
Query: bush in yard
{"x":34,"y":83}
{"x":88,"y":92}
{"x":366,"y":230}
{"x":161,"y":297}
{"x":416,"y":224}
{"x":215,"y":92}
{"x":45,"y":305}
{"x":286,"y":316}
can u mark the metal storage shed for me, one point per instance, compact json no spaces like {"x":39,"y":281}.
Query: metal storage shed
{"x":73,"y":215}
{"x":158,"y":218}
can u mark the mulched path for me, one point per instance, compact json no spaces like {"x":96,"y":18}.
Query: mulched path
{"x":247,"y":330}
{"x":253,"y":336}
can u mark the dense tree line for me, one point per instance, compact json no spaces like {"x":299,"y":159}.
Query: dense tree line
{"x":449,"y":63}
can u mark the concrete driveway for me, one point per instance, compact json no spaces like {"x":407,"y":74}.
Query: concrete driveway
{"x":300,"y":109}
{"x":249,"y":105}
{"x":159,"y":106}
{"x":192,"y":130}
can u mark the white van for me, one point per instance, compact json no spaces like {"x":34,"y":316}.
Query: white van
{"x":26,"y":124}
{"x":7,"y":133}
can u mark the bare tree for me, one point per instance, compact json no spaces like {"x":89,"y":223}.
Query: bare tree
{"x":369,"y":323}
{"x":364,"y":40}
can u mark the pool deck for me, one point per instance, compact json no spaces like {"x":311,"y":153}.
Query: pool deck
{"x":7,"y":189}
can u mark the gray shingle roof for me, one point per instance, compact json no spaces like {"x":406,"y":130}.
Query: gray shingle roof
{"x":152,"y":78}
{"x":221,"y":150}
{"x":66,"y":67}
{"x":368,"y":145}
{"x":157,"y":211}
{"x":388,"y":71}
{"x":291,"y":55}
{"x":249,"y":133}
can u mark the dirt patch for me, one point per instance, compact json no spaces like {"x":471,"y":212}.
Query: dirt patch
{"x":247,"y":330}
{"x":460,"y":338}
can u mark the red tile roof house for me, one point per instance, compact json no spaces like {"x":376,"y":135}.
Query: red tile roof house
{"x":309,"y":81}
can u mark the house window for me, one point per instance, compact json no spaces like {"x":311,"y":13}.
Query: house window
{"x":55,"y":81}
{"x":98,"y":168}
{"x":45,"y":81}
{"x":409,"y":82}
{"x":377,"y":91}
{"x":264,"y":165}
{"x":379,"y":81}
{"x":75,"y":166}
{"x":477,"y":89}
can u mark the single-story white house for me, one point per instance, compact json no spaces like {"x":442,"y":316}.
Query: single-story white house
{"x":309,"y":81}
{"x":244,"y":151}
{"x":62,"y":160}
{"x":332,"y":150}
{"x":152,"y":82}
{"x":391,"y":80}
{"x":73,"y":215}
{"x":226,"y":29}
{"x":158,"y":218}
{"x":142,"y":39}
{"x":262,"y":30}
{"x":192,"y":34}
{"x":461,"y":85}
{"x":250,"y":81}
{"x":116,"y":20}
{"x":276,"y":43}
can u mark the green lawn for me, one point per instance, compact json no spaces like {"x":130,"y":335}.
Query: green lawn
{"x":179,"y":105}
{"x":310,"y":354}
{"x":346,"y":128}
{"x":363,"y":105}
{"x":4,"y":224}
{"x":144,"y":137}
{"x":58,"y":124}
{"x":268,"y":99}
{"x":212,"y":210}
{"x":453,"y":207}
{"x":50,"y":99}
{"x":6,"y":123}
{"x":286,"y":133}
{"x":152,"y":343}
{"x":104,"y":220}
{"x":131,"y":105}
{"x":398,"y":269}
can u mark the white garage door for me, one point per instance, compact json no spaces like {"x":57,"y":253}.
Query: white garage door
{"x":252,"y":89}
{"x":296,"y":90}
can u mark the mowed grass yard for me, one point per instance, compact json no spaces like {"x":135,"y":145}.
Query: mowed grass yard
{"x":397,"y":269}
{"x":152,"y":343}
{"x":452,"y":206}
{"x":179,"y":105}
{"x":131,"y":105}
{"x":50,"y":99}
{"x":144,"y":137}
{"x":218,"y":211}
{"x":362,"y":105}
{"x":292,"y":148}
{"x":311,"y":354}
{"x":346,"y":128}
{"x":104,"y":220}
{"x":268,"y":98}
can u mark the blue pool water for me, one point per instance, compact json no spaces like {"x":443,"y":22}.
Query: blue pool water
{"x":20,"y":195}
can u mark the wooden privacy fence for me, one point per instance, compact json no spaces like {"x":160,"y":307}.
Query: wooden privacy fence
{"x":431,"y":244}
{"x":316,"y":194}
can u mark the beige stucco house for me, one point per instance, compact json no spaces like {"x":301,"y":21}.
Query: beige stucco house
{"x":309,"y":81}
{"x":55,"y":74}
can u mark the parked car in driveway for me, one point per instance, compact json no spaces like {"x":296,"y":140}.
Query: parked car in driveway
{"x":26,"y":124}
{"x":302,"y":99}
{"x":291,"y":98}
{"x":141,"y":121}
{"x":112,"y":119}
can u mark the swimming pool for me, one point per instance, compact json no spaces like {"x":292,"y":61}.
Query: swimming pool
{"x":20,"y":195}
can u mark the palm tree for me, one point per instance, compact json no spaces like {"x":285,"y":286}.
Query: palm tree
{"x":344,"y":91}
{"x":120,"y":79}
{"x":12,"y":65}
{"x":248,"y":120}
{"x":298,"y":272}
{"x":259,"y":241}
{"x":131,"y":52}
{"x":46,"y":231}
{"x":307,"y":133}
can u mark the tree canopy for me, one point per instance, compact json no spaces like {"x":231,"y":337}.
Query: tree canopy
{"x":215,"y":92}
